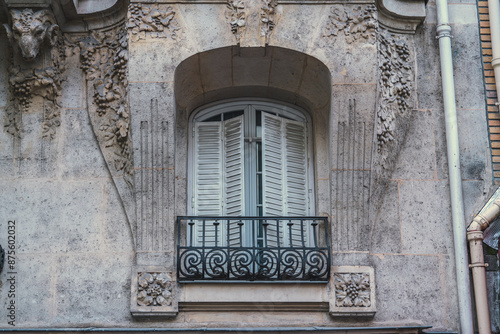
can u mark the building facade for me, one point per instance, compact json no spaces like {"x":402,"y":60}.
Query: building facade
{"x":246,"y":165}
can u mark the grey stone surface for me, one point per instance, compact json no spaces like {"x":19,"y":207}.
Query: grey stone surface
{"x":116,"y":235}
{"x":418,"y":291}
{"x":469,"y":85}
{"x":473,"y":141}
{"x":54,"y":216}
{"x":386,"y":233}
{"x":75,"y":96}
{"x":417,"y":157}
{"x":425,"y":217}
{"x":96,"y":287}
{"x":81,"y":156}
{"x":4,"y":87}
{"x":35,"y":276}
{"x":428,"y":76}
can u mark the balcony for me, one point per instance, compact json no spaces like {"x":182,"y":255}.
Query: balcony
{"x":288,"y":249}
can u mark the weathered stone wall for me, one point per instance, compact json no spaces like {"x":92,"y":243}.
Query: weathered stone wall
{"x":96,"y":202}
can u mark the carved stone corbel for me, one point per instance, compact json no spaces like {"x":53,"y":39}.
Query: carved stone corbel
{"x":33,"y":34}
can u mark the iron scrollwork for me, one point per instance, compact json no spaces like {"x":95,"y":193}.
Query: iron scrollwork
{"x":268,"y":257}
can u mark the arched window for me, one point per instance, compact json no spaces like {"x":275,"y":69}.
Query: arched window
{"x":250,"y":158}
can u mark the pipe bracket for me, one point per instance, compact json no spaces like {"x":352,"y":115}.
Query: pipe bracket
{"x":478,"y":264}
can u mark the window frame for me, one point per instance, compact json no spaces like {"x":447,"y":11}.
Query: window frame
{"x":280,"y":108}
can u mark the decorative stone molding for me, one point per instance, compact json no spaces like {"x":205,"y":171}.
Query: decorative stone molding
{"x":153,"y":293}
{"x":401,"y":16}
{"x":268,"y":18}
{"x":237,"y":17}
{"x":394,"y":89}
{"x":30,"y":31}
{"x":353,"y":291}
{"x":104,"y":60}
{"x":151,"y":20}
{"x":360,"y":22}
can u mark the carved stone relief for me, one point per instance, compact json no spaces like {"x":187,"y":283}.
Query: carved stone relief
{"x":30,"y":31}
{"x":236,"y":15}
{"x":154,"y":289}
{"x":153,"y":293}
{"x":359,"y":23}
{"x":394,"y":89}
{"x":151,"y":20}
{"x":268,"y":18}
{"x":104,"y":59}
{"x":353,"y":291}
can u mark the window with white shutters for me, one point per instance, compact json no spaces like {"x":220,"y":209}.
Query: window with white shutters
{"x":249,"y":159}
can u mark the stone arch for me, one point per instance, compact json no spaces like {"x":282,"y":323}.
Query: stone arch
{"x":271,"y":73}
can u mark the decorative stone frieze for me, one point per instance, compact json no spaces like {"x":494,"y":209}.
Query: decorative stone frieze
{"x":153,"y":293}
{"x":30,"y":31}
{"x":395,"y":84}
{"x":152,"y":21}
{"x":353,"y":291}
{"x":360,"y":23}
{"x":268,"y":18}
{"x":237,"y":17}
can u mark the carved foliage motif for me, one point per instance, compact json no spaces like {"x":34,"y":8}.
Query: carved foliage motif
{"x":268,"y":18}
{"x":104,"y":58}
{"x":395,"y":87}
{"x":152,"y":21}
{"x":29,"y":32}
{"x":237,"y":17}
{"x":154,"y":289}
{"x":352,"y":290}
{"x":360,"y":22}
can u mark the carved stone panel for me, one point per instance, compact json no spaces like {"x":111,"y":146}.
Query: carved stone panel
{"x":237,"y":17}
{"x":393,"y":116}
{"x":358,"y":23}
{"x":36,"y":69}
{"x":153,"y":293}
{"x":353,"y":290}
{"x":151,"y":20}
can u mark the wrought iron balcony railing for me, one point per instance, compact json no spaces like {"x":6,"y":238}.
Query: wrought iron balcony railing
{"x":253,"y":249}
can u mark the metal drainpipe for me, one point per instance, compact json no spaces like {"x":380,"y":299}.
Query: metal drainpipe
{"x":455,"y":177}
{"x":494,"y":14}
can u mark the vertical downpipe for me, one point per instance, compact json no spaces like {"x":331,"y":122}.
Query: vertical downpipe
{"x":455,"y":177}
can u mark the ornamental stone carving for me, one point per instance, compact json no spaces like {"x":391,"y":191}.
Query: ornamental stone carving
{"x":395,"y":90}
{"x":151,"y":20}
{"x":104,"y":58}
{"x":268,"y":18}
{"x":353,"y":291}
{"x":153,"y":293}
{"x":154,"y":289}
{"x":358,"y":23}
{"x":30,"y":30}
{"x":34,"y":35}
{"x":237,"y":17}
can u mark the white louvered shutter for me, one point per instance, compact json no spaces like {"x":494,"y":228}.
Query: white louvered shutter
{"x":218,"y":169}
{"x":284,"y":159}
{"x":233,"y":175}
{"x":208,"y":179}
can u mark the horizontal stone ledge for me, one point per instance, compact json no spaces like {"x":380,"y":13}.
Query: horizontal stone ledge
{"x":252,"y":306}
